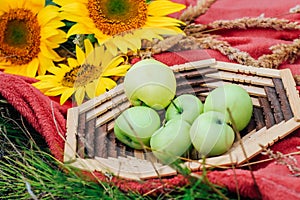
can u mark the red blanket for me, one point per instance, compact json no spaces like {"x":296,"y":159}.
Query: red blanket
{"x":273,"y":180}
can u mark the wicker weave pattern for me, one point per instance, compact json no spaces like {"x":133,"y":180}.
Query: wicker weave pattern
{"x":91,"y":143}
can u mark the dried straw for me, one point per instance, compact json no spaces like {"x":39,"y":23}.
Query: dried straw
{"x":211,"y":42}
{"x":297,"y":79}
{"x":255,"y":22}
{"x":175,"y":43}
{"x":287,"y":160}
{"x":281,"y":53}
{"x":295,"y":9}
{"x":192,"y":12}
{"x":195,"y":29}
{"x":197,"y":37}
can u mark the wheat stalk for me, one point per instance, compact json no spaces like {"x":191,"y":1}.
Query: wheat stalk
{"x":210,"y":42}
{"x":255,"y":22}
{"x":287,"y":160}
{"x":192,"y":12}
{"x":244,"y":23}
{"x":295,"y":9}
{"x":297,"y":79}
{"x":280,"y":54}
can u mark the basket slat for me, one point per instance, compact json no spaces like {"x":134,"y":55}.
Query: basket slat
{"x":256,"y":91}
{"x":293,"y":95}
{"x":264,"y":72}
{"x":229,"y":76}
{"x":101,"y":141}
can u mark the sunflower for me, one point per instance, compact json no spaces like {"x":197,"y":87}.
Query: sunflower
{"x":89,"y":75}
{"x":121,"y":24}
{"x":28,"y":36}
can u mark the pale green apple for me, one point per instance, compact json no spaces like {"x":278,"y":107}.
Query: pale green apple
{"x":186,"y":106}
{"x":135,"y":126}
{"x":150,"y":82}
{"x":171,"y":141}
{"x":210,"y":134}
{"x":234,"y":98}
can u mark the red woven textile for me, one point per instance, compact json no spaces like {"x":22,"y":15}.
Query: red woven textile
{"x":274,"y":180}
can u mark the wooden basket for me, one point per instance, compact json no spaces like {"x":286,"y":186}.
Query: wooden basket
{"x":91,"y":144}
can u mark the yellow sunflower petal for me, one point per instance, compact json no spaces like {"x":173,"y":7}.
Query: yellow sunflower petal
{"x":55,"y":24}
{"x":58,"y":71}
{"x":66,"y":95}
{"x":19,"y":69}
{"x":168,"y":31}
{"x":11,"y":4}
{"x":64,"y":2}
{"x":55,"y":41}
{"x":135,"y":41}
{"x":148,"y":34}
{"x":162,"y":8}
{"x":48,"y":32}
{"x":114,"y":62}
{"x":75,"y":8}
{"x":45,"y":63}
{"x":4,"y":65}
{"x":101,"y":88}
{"x":101,"y":38}
{"x":35,"y":5}
{"x":91,"y":89}
{"x":109,"y":83}
{"x":122,"y":44}
{"x":88,"y":47}
{"x":56,"y":91}
{"x":162,"y":22}
{"x":44,"y":85}
{"x":117,"y":71}
{"x":78,"y":29}
{"x":73,"y":62}
{"x":79,"y":95}
{"x":49,"y":53}
{"x":45,"y":78}
{"x":32,"y":68}
{"x":106,"y":58}
{"x":111,"y":47}
{"x":4,"y":6}
{"x":20,"y":4}
{"x":46,"y":14}
{"x":80,"y":55}
{"x":98,"y":55}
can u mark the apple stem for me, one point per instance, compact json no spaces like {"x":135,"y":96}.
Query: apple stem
{"x":180,"y":110}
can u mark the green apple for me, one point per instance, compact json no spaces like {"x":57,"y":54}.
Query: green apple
{"x":210,"y":134}
{"x":150,"y":82}
{"x":171,"y":141}
{"x":186,"y":106}
{"x":135,"y":126}
{"x":234,"y":98}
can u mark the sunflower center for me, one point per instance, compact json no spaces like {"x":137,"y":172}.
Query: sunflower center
{"x":114,"y":17}
{"x":117,"y":8}
{"x":16,"y":33}
{"x":19,"y":36}
{"x":81,"y":75}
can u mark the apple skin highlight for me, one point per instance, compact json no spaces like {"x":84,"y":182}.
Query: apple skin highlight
{"x":234,"y":98}
{"x":210,"y":134}
{"x":136,"y":125}
{"x":171,"y":141}
{"x":150,"y":82}
{"x":190,"y":108}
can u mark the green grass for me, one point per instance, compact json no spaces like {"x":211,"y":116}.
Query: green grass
{"x":29,"y":171}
